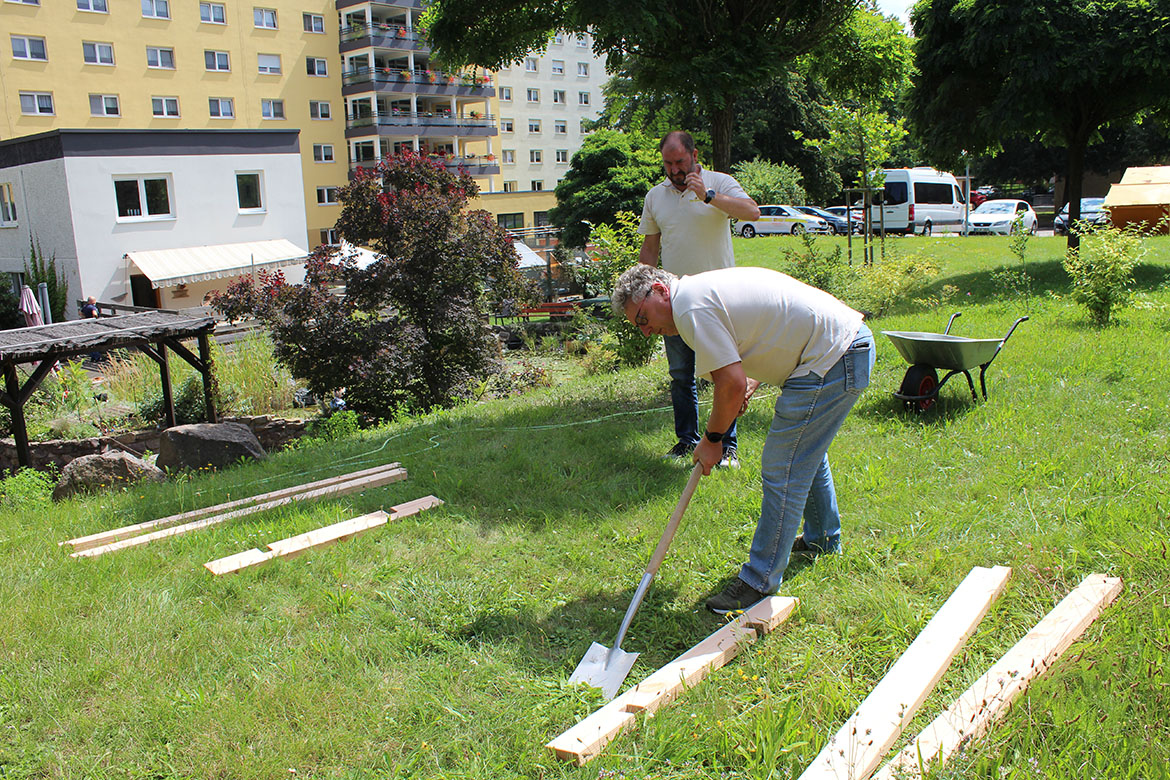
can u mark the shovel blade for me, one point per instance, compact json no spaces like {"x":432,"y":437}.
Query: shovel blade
{"x":605,"y":668}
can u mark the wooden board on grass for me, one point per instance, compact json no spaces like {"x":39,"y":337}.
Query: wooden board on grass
{"x":588,"y":738}
{"x":859,"y":746}
{"x":341,"y":489}
{"x":125,"y":532}
{"x":992,"y":695}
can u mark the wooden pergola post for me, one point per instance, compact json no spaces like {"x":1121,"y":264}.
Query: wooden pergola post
{"x":205,"y":370}
{"x":19,"y":426}
{"x":164,"y":365}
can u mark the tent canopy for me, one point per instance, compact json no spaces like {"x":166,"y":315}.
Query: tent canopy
{"x":528,"y":258}
{"x":170,"y":267}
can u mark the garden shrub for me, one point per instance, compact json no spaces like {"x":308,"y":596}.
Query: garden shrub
{"x":27,"y":486}
{"x":339,"y":425}
{"x":189,"y":406}
{"x":827,"y":271}
{"x":1102,"y":270}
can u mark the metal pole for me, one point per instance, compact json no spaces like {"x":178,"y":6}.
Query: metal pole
{"x":967,"y":186}
{"x":43,"y":296}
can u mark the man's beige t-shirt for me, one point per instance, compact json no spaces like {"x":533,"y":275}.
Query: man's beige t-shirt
{"x":695,"y":235}
{"x":776,"y":326}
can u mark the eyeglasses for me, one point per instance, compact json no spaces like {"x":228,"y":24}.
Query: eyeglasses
{"x":639,"y":319}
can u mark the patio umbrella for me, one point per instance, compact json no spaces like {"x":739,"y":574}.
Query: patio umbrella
{"x":30,"y":308}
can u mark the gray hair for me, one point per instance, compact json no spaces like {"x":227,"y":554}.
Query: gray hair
{"x":634,"y":285}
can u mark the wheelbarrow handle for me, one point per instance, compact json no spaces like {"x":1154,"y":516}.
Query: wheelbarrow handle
{"x":951,"y":320}
{"x":1012,"y":329}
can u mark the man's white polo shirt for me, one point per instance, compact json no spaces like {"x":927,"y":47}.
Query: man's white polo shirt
{"x":695,"y":235}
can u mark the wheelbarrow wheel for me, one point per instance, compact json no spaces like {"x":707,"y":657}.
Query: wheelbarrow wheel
{"x":920,"y":380}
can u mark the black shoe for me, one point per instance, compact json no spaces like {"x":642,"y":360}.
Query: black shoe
{"x":730,"y":459}
{"x":736,"y":596}
{"x":680,"y":450}
{"x":802,"y":549}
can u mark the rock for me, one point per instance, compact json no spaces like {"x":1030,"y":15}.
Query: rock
{"x":216,"y":445}
{"x":93,"y":472}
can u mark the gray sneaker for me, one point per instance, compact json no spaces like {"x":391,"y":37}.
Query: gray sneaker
{"x":730,"y":459}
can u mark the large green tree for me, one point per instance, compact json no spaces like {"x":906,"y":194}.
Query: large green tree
{"x":1060,"y":72}
{"x":713,"y":50}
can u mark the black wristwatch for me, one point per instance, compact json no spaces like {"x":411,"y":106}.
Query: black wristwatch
{"x":710,"y":196}
{"x":714,"y":438}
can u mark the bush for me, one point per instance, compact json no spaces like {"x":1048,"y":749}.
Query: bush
{"x":827,"y":271}
{"x":189,"y":406}
{"x":27,"y":486}
{"x":767,"y":182}
{"x":1102,"y":270}
{"x":339,"y":425}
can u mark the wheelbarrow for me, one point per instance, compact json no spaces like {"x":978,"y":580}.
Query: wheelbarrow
{"x":928,"y":353}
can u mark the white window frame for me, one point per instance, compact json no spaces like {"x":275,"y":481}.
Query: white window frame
{"x":558,"y":67}
{"x":530,"y":64}
{"x":508,"y":156}
{"x":535,"y":156}
{"x":215,"y":59}
{"x":533,"y":95}
{"x":560,"y":127}
{"x":317,"y":66}
{"x":329,"y":237}
{"x":536,"y":185}
{"x":583,"y":69}
{"x":582,"y":41}
{"x":26,"y":43}
{"x":510,"y":186}
{"x":37,"y":103}
{"x":558,"y":97}
{"x":97,"y":49}
{"x":156,"y":9}
{"x":313,"y":23}
{"x":534,"y":125}
{"x":142,"y":179}
{"x":506,"y":94}
{"x":24,"y":2}
{"x":211,"y":8}
{"x":325,"y":193}
{"x":159,"y":51}
{"x":558,"y":38}
{"x":273,"y":67}
{"x":583,"y":99}
{"x":103,"y":101}
{"x":260,"y":209}
{"x":562,"y":155}
{"x":264,"y":18}
{"x":93,"y":6}
{"x":507,"y":126}
{"x":271,"y":108}
{"x":323,"y":153}
{"x":220,"y":103}
{"x":7,"y":206}
{"x":316,"y":113}
{"x":163,"y":113}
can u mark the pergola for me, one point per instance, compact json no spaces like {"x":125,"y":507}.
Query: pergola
{"x":152,"y":332}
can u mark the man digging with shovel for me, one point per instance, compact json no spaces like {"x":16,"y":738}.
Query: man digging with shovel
{"x":753,"y":325}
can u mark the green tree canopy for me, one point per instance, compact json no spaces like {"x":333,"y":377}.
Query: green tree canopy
{"x":767,"y":182}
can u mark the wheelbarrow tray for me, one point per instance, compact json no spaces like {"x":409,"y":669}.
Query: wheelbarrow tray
{"x":952,"y":353}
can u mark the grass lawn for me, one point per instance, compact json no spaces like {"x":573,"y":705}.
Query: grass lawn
{"x":440,"y":646}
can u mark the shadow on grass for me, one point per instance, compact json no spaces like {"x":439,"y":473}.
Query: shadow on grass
{"x":1047,"y":276}
{"x":954,"y":403}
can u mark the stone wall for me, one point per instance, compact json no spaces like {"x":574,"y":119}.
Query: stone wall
{"x":273,"y":433}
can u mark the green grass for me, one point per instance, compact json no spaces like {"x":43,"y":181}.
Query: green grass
{"x":440,"y":645}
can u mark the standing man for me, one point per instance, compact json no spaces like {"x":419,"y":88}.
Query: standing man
{"x":685,"y":224}
{"x":753,"y":325}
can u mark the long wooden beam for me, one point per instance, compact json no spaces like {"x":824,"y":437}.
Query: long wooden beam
{"x":992,"y":695}
{"x":317,"y":538}
{"x":586,"y":740}
{"x":857,"y":749}
{"x":344,"y":488}
{"x":125,"y":532}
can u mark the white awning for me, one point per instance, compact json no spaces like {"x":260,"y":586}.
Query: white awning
{"x":170,"y":267}
{"x":528,"y":258}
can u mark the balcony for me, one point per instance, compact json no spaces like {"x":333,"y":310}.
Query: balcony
{"x":383,"y":36}
{"x":415,"y":82}
{"x":475,"y":165}
{"x":343,"y":4}
{"x":420,"y":123}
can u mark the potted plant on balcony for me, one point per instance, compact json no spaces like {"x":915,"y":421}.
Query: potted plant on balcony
{"x":401,"y":32}
{"x":431,"y":76}
{"x":473,"y":114}
{"x":404,"y":74}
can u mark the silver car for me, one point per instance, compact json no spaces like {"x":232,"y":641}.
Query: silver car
{"x":782,"y":219}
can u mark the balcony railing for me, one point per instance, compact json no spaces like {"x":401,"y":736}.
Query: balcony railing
{"x":341,"y":4}
{"x":474,"y":163}
{"x":387,"y":33}
{"x":403,"y":76}
{"x":421,"y":119}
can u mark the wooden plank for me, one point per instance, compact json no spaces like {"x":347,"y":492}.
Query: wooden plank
{"x":865,"y":738}
{"x":341,"y":489}
{"x":118,"y":534}
{"x":992,"y":695}
{"x":588,"y":738}
{"x":319,"y":537}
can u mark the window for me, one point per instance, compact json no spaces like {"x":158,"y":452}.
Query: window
{"x":103,"y":105}
{"x":582,"y":41}
{"x":535,"y":156}
{"x":36,"y":103}
{"x":510,"y":221}
{"x":319,"y":109}
{"x":558,"y":38}
{"x":264,"y":18}
{"x":932,"y":192}
{"x":269,"y":63}
{"x":322,"y":152}
{"x":559,"y":96}
{"x":508,"y":155}
{"x":156,"y":9}
{"x":221,"y":108}
{"x":560,"y":127}
{"x":213,"y":13}
{"x":558,"y":67}
{"x":536,"y":185}
{"x":562,"y":155}
{"x":582,"y":68}
{"x":160,"y":58}
{"x":315,"y":66}
{"x":164,"y":106}
{"x":25,"y":2}
{"x":534,"y":96}
{"x":530,"y":64}
{"x":216,"y":60}
{"x":97,"y":53}
{"x":329,"y":237}
{"x":534,"y":125}
{"x":27,"y":48}
{"x":248,"y":192}
{"x":94,"y":6}
{"x":7,"y":205}
{"x":314,"y":23}
{"x":583,"y":98}
{"x":326,"y":196}
{"x":583,"y":127}
{"x":505,"y":125}
{"x":272,"y":109}
{"x":506,"y":93}
{"x":143,"y":197}
{"x":510,"y":186}
{"x":540,"y":219}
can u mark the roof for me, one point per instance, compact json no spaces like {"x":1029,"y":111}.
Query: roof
{"x":1150,"y":174}
{"x":528,"y":258}
{"x":1138,"y":195}
{"x":170,"y":267}
{"x":63,"y":339}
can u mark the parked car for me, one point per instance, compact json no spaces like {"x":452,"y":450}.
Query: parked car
{"x":1000,"y":217}
{"x":1092,"y":211}
{"x":856,"y":216}
{"x":839,"y":224}
{"x":782,"y":219}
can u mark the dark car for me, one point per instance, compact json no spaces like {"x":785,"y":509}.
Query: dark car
{"x":837,"y":223}
{"x":1092,"y":211}
{"x":855,"y":216}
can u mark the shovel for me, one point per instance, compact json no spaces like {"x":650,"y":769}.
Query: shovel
{"x":606,"y":667}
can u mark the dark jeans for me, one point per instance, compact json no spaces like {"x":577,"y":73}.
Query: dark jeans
{"x":683,"y":395}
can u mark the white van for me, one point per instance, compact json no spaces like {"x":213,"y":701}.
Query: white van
{"x":919,"y":200}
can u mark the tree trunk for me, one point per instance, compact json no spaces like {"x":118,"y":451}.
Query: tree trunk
{"x":1074,"y":174}
{"x":721,"y":122}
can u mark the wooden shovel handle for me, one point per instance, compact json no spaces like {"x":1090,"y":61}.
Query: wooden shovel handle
{"x":675,"y":519}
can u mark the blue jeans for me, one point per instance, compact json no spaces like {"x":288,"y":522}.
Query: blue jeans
{"x":680,"y":359}
{"x":795,"y":464}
